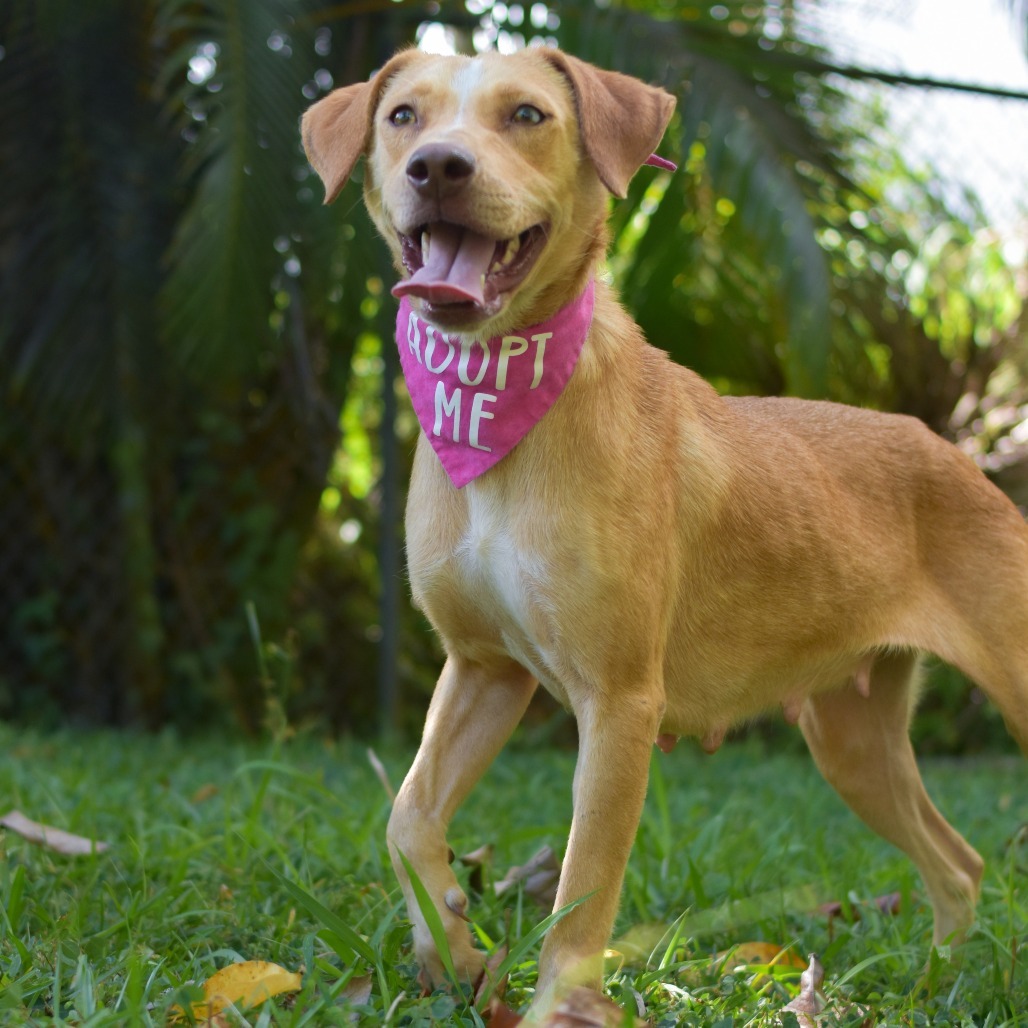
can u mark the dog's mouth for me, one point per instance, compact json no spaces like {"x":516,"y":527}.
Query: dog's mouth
{"x":462,"y":275}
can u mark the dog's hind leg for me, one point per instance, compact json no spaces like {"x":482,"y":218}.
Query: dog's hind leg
{"x":990,"y":645}
{"x":862,"y":747}
{"x":473,"y":711}
{"x":974,"y":614}
{"x":998,"y":664}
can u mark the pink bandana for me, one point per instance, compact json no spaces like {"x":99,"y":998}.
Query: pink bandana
{"x":477,"y":400}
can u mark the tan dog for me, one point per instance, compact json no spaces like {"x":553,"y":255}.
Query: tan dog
{"x":664,"y":560}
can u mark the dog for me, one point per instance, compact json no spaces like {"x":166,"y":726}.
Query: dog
{"x":665,"y":561}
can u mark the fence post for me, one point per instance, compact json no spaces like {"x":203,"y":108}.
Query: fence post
{"x":389,"y":537}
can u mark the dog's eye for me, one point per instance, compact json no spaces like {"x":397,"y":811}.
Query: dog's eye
{"x":403,"y":115}
{"x":526,"y":114}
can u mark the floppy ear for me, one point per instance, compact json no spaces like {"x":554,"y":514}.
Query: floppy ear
{"x":337,"y":129}
{"x":621,"y":118}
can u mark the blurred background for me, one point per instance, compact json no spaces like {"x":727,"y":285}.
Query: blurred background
{"x":204,"y":441}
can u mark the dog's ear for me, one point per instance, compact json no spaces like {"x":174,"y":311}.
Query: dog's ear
{"x":337,"y":129}
{"x":621,"y":118}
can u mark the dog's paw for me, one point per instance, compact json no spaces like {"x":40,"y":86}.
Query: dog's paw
{"x":468,"y":964}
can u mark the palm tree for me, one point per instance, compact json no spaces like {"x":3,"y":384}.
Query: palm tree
{"x":179,"y":315}
{"x":170,"y":383}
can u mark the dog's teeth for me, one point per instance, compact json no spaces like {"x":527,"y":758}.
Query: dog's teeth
{"x":508,"y":255}
{"x":425,"y":239}
{"x":513,"y":245}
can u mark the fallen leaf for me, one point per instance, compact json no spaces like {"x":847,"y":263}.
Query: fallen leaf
{"x":243,"y":985}
{"x":580,"y":1008}
{"x":500,"y":1015}
{"x":379,"y":768}
{"x":539,"y":877}
{"x":488,"y":984}
{"x":890,"y":903}
{"x":218,"y":1021}
{"x":809,"y":1003}
{"x":479,"y":861}
{"x":586,"y":1008}
{"x":52,"y":838}
{"x":483,"y":855}
{"x":761,"y":953}
{"x":754,"y":955}
{"x":204,"y":793}
{"x":358,"y":992}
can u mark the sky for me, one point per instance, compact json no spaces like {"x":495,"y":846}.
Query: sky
{"x":973,"y":139}
{"x":967,"y":40}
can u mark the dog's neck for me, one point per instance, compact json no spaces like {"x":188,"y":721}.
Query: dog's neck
{"x":477,"y":399}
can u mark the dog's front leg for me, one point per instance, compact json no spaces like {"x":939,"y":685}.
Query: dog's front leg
{"x":616,"y":736}
{"x":473,"y":711}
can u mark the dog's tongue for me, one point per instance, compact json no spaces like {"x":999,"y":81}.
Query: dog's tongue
{"x":455,"y":271}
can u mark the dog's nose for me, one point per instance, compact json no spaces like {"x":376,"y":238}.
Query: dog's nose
{"x":440,"y":168}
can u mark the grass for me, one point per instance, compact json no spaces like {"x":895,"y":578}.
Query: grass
{"x":223,"y":851}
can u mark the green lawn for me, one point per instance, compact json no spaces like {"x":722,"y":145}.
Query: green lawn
{"x":221,"y":851}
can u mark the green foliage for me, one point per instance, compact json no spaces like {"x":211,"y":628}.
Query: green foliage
{"x":191,"y":345}
{"x":172,"y":377}
{"x":222,"y":852}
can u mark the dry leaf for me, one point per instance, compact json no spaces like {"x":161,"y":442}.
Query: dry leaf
{"x":479,"y":861}
{"x":580,"y":1008}
{"x":809,"y":1003}
{"x":204,"y":793}
{"x":379,"y":768}
{"x":890,"y":903}
{"x":540,"y":876}
{"x":242,"y":985}
{"x":810,"y":1006}
{"x":586,"y":1008}
{"x":761,"y":953}
{"x":500,"y":1015}
{"x":476,"y":858}
{"x":52,"y":838}
{"x":487,"y":980}
{"x":358,"y":992}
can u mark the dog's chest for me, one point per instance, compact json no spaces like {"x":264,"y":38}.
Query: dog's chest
{"x":487,"y":587}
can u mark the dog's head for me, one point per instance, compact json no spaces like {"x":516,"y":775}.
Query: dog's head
{"x":488,"y":176}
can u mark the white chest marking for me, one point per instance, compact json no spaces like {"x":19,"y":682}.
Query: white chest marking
{"x":500,"y":577}
{"x":490,"y":558}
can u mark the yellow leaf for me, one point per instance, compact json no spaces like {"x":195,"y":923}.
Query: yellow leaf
{"x":243,"y":985}
{"x":761,"y":953}
{"x":755,"y":955}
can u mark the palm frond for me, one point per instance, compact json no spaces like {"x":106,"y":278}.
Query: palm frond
{"x":745,"y":137}
{"x":84,"y":217}
{"x":239,"y":112}
{"x":754,"y":134}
